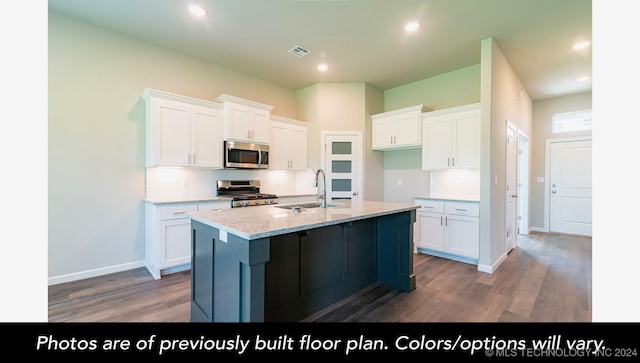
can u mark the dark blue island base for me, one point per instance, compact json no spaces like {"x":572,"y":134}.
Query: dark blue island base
{"x":287,"y":277}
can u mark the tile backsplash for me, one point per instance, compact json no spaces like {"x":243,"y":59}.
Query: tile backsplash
{"x":455,"y":183}
{"x":175,"y":183}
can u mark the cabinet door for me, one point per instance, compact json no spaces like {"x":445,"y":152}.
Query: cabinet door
{"x":462,"y":235}
{"x":384,"y":130}
{"x":174,"y":237}
{"x":436,"y":148}
{"x":298,"y":153}
{"x":238,"y":122}
{"x":408,"y":130}
{"x":259,"y":126}
{"x":280,"y":146}
{"x":431,"y":231}
{"x":206,"y":137}
{"x":171,"y":133}
{"x":466,"y":141}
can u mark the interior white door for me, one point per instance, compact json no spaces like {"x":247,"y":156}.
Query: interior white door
{"x":523,"y":183}
{"x":570,"y":187}
{"x":511,"y":189}
{"x":342,"y":166}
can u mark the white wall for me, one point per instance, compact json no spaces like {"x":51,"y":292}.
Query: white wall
{"x":97,"y":136}
{"x":543,"y":111}
{"x":503,"y":98}
{"x":343,"y":107}
{"x":402,"y":175}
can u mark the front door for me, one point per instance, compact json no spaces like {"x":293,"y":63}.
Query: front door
{"x":570,"y":187}
{"x":342,"y":164}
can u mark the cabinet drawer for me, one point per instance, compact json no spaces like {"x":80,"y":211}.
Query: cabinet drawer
{"x":174,"y":211}
{"x":433,"y":206}
{"x":209,"y":206}
{"x":463,"y":209}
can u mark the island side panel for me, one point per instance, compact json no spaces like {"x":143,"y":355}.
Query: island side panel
{"x":395,"y":250}
{"x":202,"y":242}
{"x":227,"y":277}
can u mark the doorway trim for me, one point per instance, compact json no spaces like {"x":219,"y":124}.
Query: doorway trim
{"x":547,"y":174}
{"x":514,"y":159}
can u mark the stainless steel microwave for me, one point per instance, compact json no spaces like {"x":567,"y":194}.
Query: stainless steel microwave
{"x":243,"y":155}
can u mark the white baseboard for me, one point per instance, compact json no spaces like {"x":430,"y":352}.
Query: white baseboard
{"x":491,"y":268}
{"x":537,"y":229}
{"x":95,"y":272}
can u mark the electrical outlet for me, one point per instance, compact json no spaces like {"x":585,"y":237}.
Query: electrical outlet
{"x":399,"y":182}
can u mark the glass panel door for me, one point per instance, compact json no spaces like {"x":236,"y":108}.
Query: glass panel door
{"x":342,"y":169}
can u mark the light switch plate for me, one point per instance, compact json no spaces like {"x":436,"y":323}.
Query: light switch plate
{"x":540,"y":179}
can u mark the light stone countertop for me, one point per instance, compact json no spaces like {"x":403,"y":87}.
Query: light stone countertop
{"x":269,"y":220}
{"x":450,"y":198}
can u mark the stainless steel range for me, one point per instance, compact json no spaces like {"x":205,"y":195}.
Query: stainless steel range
{"x":245,"y":193}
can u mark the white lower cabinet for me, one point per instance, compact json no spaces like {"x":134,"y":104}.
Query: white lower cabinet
{"x":168,"y":235}
{"x":448,"y":229}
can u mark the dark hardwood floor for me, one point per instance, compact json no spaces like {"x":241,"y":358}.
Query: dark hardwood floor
{"x":546,"y":279}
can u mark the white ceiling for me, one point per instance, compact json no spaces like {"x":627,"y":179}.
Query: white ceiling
{"x":361,"y":40}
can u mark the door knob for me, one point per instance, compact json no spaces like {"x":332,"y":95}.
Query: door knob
{"x":553,"y":191}
{"x":355,"y":193}
{"x":514,"y":196}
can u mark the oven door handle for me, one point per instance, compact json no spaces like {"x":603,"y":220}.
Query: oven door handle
{"x":259,"y":157}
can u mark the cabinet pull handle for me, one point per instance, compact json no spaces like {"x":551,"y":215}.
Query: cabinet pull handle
{"x":448,"y":161}
{"x":453,"y":161}
{"x":427,"y":206}
{"x":180,"y":212}
{"x":460,"y":209}
{"x":440,"y":220}
{"x":445,"y":221}
{"x":194,"y":159}
{"x":390,"y":139}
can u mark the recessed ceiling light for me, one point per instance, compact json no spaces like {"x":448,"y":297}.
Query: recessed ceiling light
{"x":412,"y":26}
{"x":323,"y":67}
{"x":583,"y":80}
{"x":197,"y":10}
{"x":581,"y":45}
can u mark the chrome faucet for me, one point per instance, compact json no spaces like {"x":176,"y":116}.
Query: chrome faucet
{"x":322,"y":195}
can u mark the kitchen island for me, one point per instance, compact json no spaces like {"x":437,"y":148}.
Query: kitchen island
{"x":273,"y":263}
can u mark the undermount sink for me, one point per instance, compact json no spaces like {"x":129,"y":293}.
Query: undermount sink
{"x":299,"y":206}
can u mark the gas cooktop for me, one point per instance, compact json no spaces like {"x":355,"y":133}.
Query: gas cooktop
{"x":245,"y":193}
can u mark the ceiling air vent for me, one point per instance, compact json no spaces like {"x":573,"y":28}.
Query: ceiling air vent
{"x":299,"y":51}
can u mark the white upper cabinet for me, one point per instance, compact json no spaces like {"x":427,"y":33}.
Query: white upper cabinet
{"x":287,"y":144}
{"x":451,"y":138}
{"x":398,"y":129}
{"x":182,"y":131}
{"x":245,"y":120}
